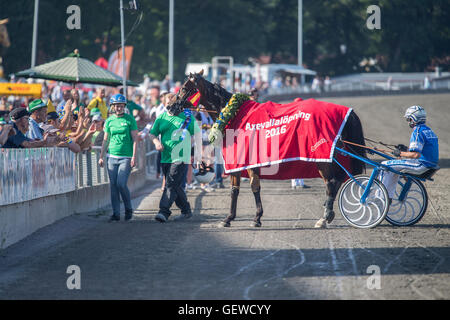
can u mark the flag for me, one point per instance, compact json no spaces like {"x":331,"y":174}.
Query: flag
{"x":115,"y":61}
{"x":101,"y":62}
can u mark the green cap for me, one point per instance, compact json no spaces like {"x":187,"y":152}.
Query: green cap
{"x":2,"y":120}
{"x":36,"y":105}
{"x":95,"y":111}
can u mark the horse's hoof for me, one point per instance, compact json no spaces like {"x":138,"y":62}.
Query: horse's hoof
{"x":256,"y":224}
{"x":321,"y":224}
{"x":330,"y":216}
{"x":224,"y":224}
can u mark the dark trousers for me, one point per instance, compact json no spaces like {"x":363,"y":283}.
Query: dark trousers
{"x":174,"y":192}
{"x":158,"y":163}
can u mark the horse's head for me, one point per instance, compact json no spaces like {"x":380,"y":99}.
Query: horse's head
{"x":211,"y":96}
{"x":182,"y":100}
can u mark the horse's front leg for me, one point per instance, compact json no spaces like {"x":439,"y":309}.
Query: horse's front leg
{"x":255,"y":184}
{"x":235,"y":186}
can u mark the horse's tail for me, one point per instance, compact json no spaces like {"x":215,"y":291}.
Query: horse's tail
{"x":353,"y":132}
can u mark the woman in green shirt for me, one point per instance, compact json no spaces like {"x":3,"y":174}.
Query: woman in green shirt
{"x":121,"y":137}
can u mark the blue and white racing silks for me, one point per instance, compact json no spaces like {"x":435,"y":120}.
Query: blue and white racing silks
{"x":425,"y":141}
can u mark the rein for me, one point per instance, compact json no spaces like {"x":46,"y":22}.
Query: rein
{"x":202,"y":110}
{"x":389,"y":146}
{"x":386,"y":152}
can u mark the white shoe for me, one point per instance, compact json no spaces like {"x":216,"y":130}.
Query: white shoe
{"x":207,"y":188}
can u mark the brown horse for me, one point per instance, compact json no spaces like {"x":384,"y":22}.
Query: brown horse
{"x":214,"y":98}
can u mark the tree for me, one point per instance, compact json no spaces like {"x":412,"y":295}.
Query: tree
{"x":414,"y":35}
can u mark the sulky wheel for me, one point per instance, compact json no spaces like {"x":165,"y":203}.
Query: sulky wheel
{"x":409,"y":203}
{"x":357,"y":214}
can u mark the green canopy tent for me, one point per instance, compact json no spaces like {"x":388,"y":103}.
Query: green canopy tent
{"x":74,"y":69}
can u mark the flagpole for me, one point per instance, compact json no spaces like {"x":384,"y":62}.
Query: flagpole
{"x":122,"y":35}
{"x":300,"y":37}
{"x":35,"y":31}
{"x":171,"y":37}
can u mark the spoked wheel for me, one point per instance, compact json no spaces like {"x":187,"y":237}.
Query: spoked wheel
{"x":410,"y":209}
{"x":357,"y":214}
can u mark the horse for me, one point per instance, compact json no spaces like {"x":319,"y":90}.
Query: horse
{"x":214,"y":98}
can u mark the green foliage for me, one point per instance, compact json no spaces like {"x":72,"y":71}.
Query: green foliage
{"x":414,"y":34}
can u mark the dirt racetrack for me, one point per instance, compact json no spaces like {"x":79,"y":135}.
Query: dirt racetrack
{"x":285,"y":259}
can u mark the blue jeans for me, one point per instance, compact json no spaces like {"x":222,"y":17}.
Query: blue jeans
{"x":118,"y":171}
{"x":219,"y":171}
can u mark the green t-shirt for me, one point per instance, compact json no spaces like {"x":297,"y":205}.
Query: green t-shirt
{"x":131,"y":105}
{"x":167,"y":126}
{"x":119,"y":133}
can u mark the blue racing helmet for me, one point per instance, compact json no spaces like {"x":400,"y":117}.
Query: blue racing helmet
{"x":416,"y":115}
{"x":117,"y":99}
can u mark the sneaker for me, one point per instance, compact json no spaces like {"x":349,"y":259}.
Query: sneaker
{"x":161,"y":218}
{"x":183,"y":216}
{"x":214,"y":185}
{"x":128,"y":215}
{"x":217,"y":185}
{"x":114,"y":218}
{"x":207,"y":188}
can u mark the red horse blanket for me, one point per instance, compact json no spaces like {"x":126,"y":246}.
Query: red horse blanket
{"x":284,"y":140}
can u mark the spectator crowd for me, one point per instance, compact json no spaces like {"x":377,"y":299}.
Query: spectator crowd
{"x":74,"y":118}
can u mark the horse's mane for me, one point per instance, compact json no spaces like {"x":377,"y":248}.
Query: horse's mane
{"x":212,"y":95}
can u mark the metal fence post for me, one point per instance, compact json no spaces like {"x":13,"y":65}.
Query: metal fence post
{"x":80,"y":170}
{"x":89,"y":169}
{"x":97,"y":168}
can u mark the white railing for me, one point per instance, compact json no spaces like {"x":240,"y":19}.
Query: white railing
{"x":28,"y":174}
{"x":356,"y":86}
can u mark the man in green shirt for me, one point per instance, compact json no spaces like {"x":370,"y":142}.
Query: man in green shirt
{"x":175,"y":147}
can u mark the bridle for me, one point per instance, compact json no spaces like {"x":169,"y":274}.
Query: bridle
{"x":191,"y":91}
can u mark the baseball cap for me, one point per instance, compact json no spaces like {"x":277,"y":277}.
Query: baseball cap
{"x":95,"y":111}
{"x":52,"y":115}
{"x":2,"y":121}
{"x":36,"y":105}
{"x":49,"y":128}
{"x":97,"y":117}
{"x":18,"y":113}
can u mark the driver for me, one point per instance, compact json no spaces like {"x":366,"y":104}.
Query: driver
{"x":422,"y":154}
